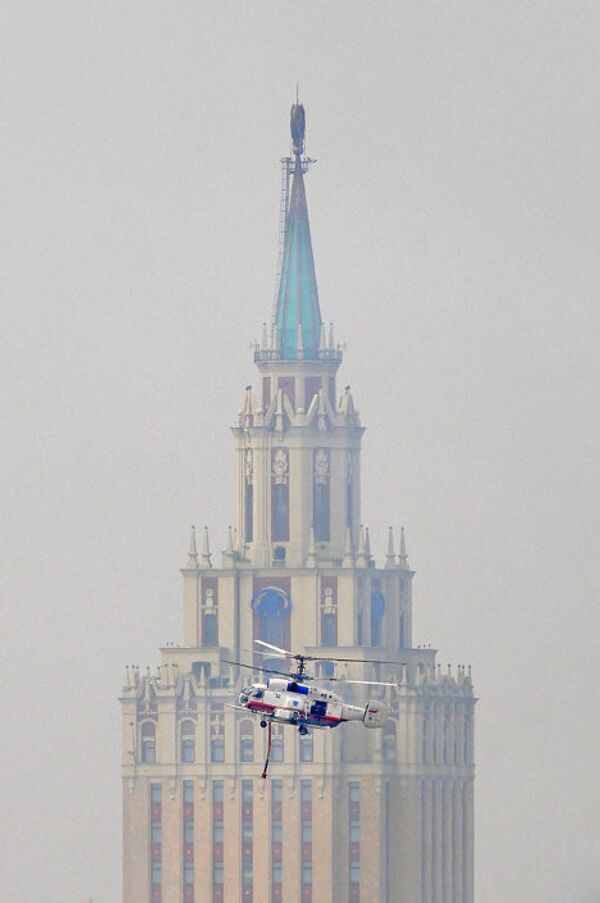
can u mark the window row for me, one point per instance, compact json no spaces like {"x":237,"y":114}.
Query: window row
{"x":247,"y":750}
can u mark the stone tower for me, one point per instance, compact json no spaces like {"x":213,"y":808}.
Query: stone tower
{"x":346,"y":815}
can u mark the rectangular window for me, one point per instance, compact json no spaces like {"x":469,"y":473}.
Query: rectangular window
{"x":247,"y":871}
{"x":280,"y":513}
{"x":156,"y":873}
{"x":155,"y":837}
{"x":276,"y":791}
{"x":277,"y":832}
{"x":354,"y":791}
{"x":354,"y":873}
{"x":306,"y":749}
{"x":188,"y":872}
{"x":247,"y":749}
{"x":276,"y":872}
{"x":188,"y":831}
{"x":307,"y":832}
{"x":218,"y":873}
{"x":188,"y":791}
{"x":307,"y":873}
{"x":210,"y":629}
{"x":217,"y":750}
{"x":329,"y":629}
{"x":321,"y":509}
{"x":306,"y":791}
{"x":354,"y":831}
{"x":218,"y":794}
{"x":247,"y":791}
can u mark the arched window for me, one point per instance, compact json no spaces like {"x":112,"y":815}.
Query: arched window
{"x":188,"y":741}
{"x":389,"y":741}
{"x":377,"y":613}
{"x":148,"y":742}
{"x":271,"y":616}
{"x":246,"y":741}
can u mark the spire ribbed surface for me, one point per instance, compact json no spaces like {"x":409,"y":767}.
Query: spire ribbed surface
{"x":298,"y":299}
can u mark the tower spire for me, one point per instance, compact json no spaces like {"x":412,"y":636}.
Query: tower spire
{"x":298,"y":298}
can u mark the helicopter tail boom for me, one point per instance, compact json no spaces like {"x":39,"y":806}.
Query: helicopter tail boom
{"x":375,"y":714}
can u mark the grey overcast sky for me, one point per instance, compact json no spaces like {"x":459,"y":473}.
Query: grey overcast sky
{"x":454,"y":211}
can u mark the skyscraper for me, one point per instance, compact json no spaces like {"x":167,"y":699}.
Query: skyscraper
{"x":382,"y":816}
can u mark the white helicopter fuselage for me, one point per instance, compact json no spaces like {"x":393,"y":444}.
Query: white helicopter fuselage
{"x":292,"y":702}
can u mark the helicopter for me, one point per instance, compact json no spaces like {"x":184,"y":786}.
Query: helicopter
{"x":289,"y":698}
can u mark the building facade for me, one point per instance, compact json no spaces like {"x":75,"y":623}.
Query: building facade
{"x":346,"y":815}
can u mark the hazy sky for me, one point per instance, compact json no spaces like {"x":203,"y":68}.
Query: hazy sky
{"x":454,"y":212}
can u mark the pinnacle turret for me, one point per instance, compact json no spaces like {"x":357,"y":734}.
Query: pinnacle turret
{"x":403,"y":557}
{"x":390,"y":557}
{"x":192,"y":561}
{"x":206,"y":554}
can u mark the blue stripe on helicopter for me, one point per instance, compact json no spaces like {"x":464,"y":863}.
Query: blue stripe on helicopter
{"x":297,"y":688}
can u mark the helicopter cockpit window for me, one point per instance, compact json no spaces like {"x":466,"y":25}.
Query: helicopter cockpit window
{"x":258,"y":694}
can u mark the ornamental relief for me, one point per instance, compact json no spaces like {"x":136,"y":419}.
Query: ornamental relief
{"x":280,"y":465}
{"x":328,"y":602}
{"x":249,"y":466}
{"x":209,"y":600}
{"x":321,"y":465}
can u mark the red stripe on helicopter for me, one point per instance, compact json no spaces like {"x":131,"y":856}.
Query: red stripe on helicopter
{"x":265,"y":707}
{"x":262,"y":707}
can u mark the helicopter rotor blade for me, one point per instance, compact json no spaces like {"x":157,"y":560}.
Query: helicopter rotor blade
{"x":285,"y":652}
{"x":373,"y":683}
{"x":361,"y":661}
{"x":257,"y":668}
{"x":258,"y":652}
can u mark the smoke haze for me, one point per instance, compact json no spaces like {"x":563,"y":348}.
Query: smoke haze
{"x":454,"y":212}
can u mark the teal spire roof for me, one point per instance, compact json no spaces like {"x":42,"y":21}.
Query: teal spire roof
{"x":298,"y":298}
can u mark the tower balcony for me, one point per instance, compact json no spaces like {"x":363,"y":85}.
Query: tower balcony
{"x":263,"y":355}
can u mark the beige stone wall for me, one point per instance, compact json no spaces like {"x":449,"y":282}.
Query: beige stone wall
{"x":416,"y":806}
